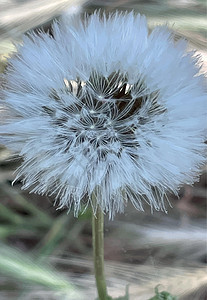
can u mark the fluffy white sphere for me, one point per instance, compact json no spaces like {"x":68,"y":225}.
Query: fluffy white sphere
{"x":104,"y":108}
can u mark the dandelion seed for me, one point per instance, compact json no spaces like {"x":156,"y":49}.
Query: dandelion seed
{"x":103,"y":106}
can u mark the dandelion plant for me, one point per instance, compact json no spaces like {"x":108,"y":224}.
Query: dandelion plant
{"x":102,"y":113}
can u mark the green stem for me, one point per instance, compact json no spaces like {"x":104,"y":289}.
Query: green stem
{"x":98,"y":253}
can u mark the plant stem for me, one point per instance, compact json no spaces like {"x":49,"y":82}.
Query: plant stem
{"x":98,"y":253}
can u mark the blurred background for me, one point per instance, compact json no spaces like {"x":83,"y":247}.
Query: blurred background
{"x":46,"y":253}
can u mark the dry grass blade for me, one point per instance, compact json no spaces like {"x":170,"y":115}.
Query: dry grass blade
{"x":16,"y":19}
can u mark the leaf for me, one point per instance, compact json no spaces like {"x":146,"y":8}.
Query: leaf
{"x":21,"y":267}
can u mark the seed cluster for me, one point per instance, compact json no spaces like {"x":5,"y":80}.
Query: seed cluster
{"x":102,"y":113}
{"x":91,"y":119}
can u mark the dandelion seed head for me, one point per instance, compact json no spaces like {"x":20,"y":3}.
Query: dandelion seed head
{"x":105,"y":108}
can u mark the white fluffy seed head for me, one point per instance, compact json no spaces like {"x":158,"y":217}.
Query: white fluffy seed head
{"x":104,"y":108}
